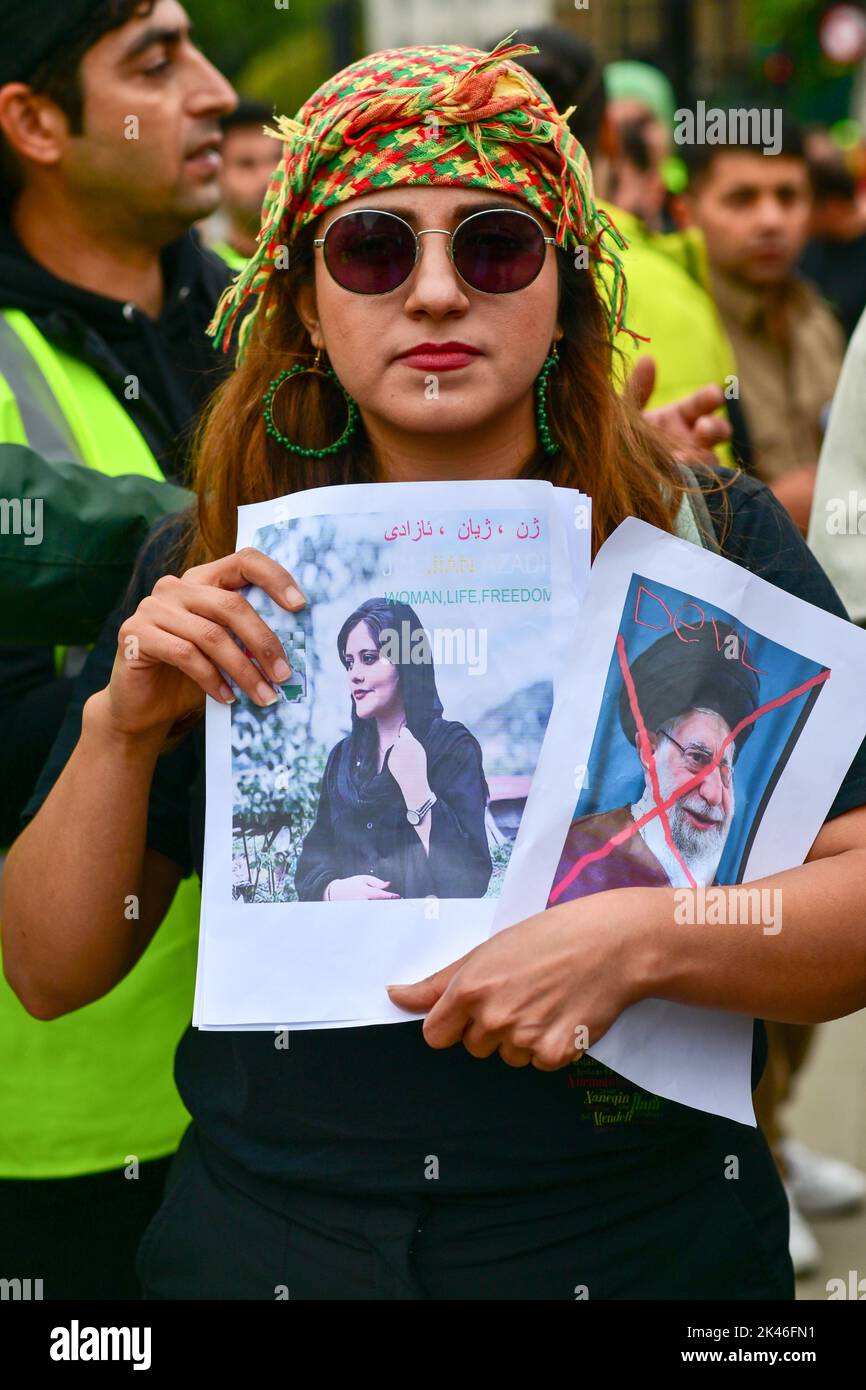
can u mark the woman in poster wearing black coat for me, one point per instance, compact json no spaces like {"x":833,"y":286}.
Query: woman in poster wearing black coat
{"x":401,"y":810}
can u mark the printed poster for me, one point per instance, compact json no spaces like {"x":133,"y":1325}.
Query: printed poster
{"x":360,"y":829}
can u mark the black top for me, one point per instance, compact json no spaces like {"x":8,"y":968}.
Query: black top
{"x":175,"y":363}
{"x":371,"y":835}
{"x":838,"y":268}
{"x":366,"y":1111}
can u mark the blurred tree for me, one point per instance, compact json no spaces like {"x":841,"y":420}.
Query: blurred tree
{"x":771,"y":20}
{"x":277,"y":54}
{"x":789,"y":63}
{"x":286,"y":73}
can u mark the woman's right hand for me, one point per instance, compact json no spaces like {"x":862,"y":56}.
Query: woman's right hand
{"x":169,"y":649}
{"x":365,"y":886}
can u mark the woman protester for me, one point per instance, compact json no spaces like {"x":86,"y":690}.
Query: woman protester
{"x":404,"y":795}
{"x":438,"y":218}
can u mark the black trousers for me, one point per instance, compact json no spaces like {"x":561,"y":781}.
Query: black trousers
{"x":213,"y":1240}
{"x":79,"y":1235}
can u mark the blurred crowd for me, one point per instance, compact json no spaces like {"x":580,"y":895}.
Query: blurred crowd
{"x":746,"y":272}
{"x":764,"y":257}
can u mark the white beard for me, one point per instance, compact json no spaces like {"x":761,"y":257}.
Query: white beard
{"x":701,"y":862}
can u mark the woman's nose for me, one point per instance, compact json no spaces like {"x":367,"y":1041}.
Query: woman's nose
{"x":435,"y":284}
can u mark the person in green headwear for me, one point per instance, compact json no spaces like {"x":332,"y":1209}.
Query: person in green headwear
{"x":668,"y":277}
{"x":636,"y":89}
{"x":641,"y":104}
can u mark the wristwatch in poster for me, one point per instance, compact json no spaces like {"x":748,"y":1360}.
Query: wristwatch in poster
{"x":416,"y":817}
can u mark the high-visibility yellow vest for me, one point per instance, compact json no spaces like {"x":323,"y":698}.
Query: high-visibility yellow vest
{"x":93,"y":1090}
{"x":48,"y":401}
{"x":233,"y":259}
{"x":670,"y":302}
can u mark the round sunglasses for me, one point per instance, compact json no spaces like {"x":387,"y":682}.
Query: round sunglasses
{"x":496,"y":251}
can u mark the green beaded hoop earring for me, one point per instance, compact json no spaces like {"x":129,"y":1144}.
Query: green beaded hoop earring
{"x":271,"y":428}
{"x":548,"y":442}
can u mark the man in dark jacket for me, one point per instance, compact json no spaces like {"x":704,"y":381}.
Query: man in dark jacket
{"x":109,"y":154}
{"x":109,"y":130}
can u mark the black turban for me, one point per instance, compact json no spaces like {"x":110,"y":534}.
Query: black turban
{"x":677,"y":674}
{"x":30,"y":32}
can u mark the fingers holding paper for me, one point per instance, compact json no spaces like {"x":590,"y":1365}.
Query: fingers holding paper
{"x":180,"y":640}
{"x":539,"y":992}
{"x":424,"y":994}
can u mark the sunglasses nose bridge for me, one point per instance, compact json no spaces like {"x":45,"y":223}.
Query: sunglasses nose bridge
{"x":439,"y":231}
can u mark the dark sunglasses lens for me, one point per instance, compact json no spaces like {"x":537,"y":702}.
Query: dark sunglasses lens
{"x":369,"y":252}
{"x":498,"y":252}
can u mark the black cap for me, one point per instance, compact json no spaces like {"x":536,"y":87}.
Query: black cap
{"x":677,"y":674}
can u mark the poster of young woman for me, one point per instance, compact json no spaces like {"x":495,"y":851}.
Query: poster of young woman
{"x":711,"y":722}
{"x":361,"y":826}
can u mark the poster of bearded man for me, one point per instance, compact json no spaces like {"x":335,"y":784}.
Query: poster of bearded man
{"x":709,"y":725}
{"x":676,"y":707}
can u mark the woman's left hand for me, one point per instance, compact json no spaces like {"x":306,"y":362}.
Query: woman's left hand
{"x":408,"y":766}
{"x":541,"y":991}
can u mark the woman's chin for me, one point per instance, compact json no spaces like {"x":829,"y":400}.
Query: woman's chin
{"x":445,"y":415}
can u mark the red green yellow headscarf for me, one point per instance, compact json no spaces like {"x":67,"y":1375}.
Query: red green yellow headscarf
{"x":446,"y":115}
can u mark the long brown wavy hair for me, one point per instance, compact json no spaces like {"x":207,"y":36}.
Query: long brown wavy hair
{"x":607,"y":449}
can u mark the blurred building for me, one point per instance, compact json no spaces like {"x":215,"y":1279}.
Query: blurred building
{"x":398,"y":23}
{"x":702,"y":45}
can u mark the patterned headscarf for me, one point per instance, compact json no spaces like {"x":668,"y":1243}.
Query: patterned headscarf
{"x":447,"y":115}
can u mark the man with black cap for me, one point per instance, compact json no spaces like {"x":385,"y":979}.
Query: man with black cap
{"x":691,"y":694}
{"x":109,"y":153}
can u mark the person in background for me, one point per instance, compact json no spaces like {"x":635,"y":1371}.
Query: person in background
{"x":635,"y":90}
{"x":248,"y":159}
{"x":642,"y":104}
{"x":668,"y":298}
{"x":837,"y":526}
{"x":754,"y":211}
{"x":668,"y":303}
{"x":835,"y":255}
{"x":638,"y":184}
{"x":109,"y":152}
